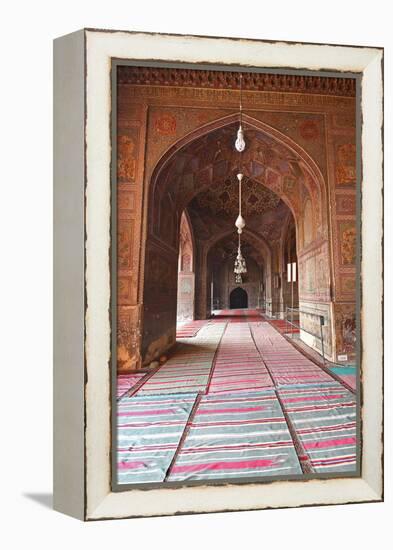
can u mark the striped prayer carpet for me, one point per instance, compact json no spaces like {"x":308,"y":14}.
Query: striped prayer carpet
{"x":283,"y":326}
{"x":285,"y":364}
{"x":148,"y":433}
{"x":236,"y":436}
{"x":236,"y":315}
{"x":189,"y":369}
{"x":324,"y":418}
{"x":238,"y":365}
{"x":239,"y":429}
{"x":346,"y":373}
{"x":190,"y":329}
{"x":126,"y":381}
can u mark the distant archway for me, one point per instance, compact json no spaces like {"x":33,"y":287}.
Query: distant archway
{"x":238,"y":298}
{"x":219,"y":254}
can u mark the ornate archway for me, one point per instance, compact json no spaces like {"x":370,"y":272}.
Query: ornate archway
{"x":257,"y":282}
{"x":169,"y":147}
{"x":200,"y":162}
{"x":273,"y":159}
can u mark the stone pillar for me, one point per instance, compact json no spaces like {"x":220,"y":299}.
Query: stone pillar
{"x":130,"y":174}
{"x":201,"y":282}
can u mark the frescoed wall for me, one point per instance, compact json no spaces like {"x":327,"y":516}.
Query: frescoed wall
{"x":131,"y":122}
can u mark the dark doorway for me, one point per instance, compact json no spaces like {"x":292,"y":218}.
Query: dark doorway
{"x":238,"y":298}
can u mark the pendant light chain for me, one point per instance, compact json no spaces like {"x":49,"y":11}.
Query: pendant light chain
{"x":240,"y":263}
{"x":240,"y":197}
{"x":241,"y":97}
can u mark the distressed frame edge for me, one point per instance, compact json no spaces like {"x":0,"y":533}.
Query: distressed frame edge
{"x":69,"y":278}
{"x":374,"y":488}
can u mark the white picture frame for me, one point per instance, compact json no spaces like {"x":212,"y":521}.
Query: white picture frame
{"x":82,"y":178}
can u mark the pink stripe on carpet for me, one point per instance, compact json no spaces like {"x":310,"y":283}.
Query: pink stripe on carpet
{"x":223,"y":411}
{"x":146,"y":412}
{"x":130,"y":465}
{"x":330,"y":443}
{"x":224,"y":466}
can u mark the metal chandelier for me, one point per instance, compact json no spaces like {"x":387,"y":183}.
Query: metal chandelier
{"x":240,"y":267}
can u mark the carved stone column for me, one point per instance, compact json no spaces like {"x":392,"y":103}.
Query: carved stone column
{"x":130,"y":172}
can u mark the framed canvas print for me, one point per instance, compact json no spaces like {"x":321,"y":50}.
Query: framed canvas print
{"x":218,"y":274}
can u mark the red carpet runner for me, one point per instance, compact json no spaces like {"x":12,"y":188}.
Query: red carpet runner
{"x":238,"y":365}
{"x":190,"y":329}
{"x":285,"y":363}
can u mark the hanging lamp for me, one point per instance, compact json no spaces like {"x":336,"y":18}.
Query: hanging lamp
{"x":240,"y":144}
{"x":240,"y":222}
{"x":240,"y":263}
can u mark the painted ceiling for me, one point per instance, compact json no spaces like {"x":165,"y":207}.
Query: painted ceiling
{"x":202,"y":178}
{"x":223,"y":200}
{"x":227,"y":250}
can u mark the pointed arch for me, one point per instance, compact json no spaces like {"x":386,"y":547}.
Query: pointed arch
{"x":166,"y":172}
{"x":198,"y":160}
